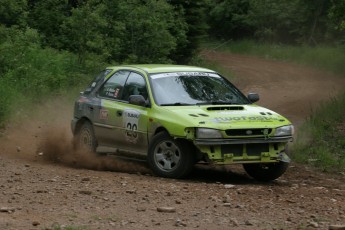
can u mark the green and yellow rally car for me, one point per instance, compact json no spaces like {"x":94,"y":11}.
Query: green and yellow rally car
{"x":175,"y":116}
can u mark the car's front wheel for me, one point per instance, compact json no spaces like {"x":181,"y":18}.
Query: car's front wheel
{"x":267,"y":171}
{"x":169,"y":157}
{"x":85,"y":138}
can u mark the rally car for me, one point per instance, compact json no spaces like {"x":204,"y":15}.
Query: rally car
{"x":176,"y":116}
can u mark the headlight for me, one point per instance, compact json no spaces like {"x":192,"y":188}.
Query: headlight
{"x":287,"y":130}
{"x":208,"y":133}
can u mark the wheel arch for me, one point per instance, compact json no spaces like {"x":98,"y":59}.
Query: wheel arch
{"x":80,"y":123}
{"x":163,"y":129}
{"x":160,"y":129}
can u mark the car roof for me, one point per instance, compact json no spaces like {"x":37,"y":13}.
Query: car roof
{"x":162,"y":68}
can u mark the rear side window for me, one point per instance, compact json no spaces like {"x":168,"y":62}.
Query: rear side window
{"x":97,"y":81}
{"x":123,"y":84}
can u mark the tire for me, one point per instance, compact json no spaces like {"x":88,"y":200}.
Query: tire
{"x":171,"y":158}
{"x":85,"y":138}
{"x":266,"y":172}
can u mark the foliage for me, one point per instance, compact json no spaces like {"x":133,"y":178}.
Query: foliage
{"x":47,"y":16}
{"x":46,"y":45}
{"x":147,"y":36}
{"x":194,"y":14}
{"x":230,"y":19}
{"x":84,"y":26}
{"x":279,"y":21}
{"x":28,"y":72}
{"x":336,"y":14}
{"x":13,"y":12}
{"x":132,"y":31}
{"x":320,"y":140}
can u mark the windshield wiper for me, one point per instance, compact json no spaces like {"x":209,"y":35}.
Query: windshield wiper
{"x":175,"y":104}
{"x":216,"y":103}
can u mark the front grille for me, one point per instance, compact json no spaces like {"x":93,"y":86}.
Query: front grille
{"x":248,"y":132}
{"x":257,"y":149}
{"x":251,"y":149}
{"x":237,"y":150}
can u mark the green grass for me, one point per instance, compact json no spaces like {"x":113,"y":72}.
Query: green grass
{"x":321,"y":139}
{"x":61,"y":227}
{"x":328,"y":58}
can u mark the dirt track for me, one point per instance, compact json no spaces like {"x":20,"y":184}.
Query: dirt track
{"x":106,"y":193}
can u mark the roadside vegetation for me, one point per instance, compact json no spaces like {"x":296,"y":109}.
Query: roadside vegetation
{"x":59,"y":227}
{"x":29,"y":72}
{"x":321,"y":139}
{"x":49,"y":47}
{"x":324,"y":57}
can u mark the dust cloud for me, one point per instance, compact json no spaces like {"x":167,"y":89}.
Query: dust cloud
{"x":57,"y":147}
{"x":41,"y":133}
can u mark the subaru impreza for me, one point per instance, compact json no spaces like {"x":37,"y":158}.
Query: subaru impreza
{"x":176,"y":116}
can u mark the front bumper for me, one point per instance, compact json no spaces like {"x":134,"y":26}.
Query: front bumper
{"x":242,"y":141}
{"x":244,"y":150}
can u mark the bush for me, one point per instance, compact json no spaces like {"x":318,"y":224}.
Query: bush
{"x":30,"y":72}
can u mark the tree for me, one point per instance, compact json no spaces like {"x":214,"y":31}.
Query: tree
{"x":148,"y":36}
{"x":83,"y":31}
{"x":277,"y":21}
{"x":316,"y":27}
{"x":337,"y":17}
{"x":13,"y":12}
{"x":229,"y":19}
{"x":194,"y":13}
{"x":47,"y":16}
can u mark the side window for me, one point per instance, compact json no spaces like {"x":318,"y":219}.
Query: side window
{"x":113,"y":88}
{"x":135,"y":85}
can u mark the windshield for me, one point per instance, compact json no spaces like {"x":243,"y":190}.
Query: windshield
{"x":194,"y":88}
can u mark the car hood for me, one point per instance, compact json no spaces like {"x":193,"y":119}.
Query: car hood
{"x":225,"y":117}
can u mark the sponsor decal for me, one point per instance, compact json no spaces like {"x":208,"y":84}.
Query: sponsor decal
{"x":131,"y":124}
{"x":177,"y":74}
{"x":116,"y":93}
{"x":244,"y":118}
{"x":103,"y":114}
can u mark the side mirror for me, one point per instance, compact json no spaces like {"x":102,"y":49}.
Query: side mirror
{"x":253,"y":97}
{"x":137,"y":100}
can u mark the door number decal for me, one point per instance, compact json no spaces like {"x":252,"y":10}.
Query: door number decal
{"x":131,"y":123}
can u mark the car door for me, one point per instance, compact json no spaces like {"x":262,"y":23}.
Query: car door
{"x":124,"y":125}
{"x":106,"y":116}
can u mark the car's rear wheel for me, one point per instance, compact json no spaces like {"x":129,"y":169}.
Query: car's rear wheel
{"x":85,"y":138}
{"x":267,"y":171}
{"x":169,"y":157}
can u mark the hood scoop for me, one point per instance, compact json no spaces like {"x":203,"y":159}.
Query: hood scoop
{"x":222,"y":108}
